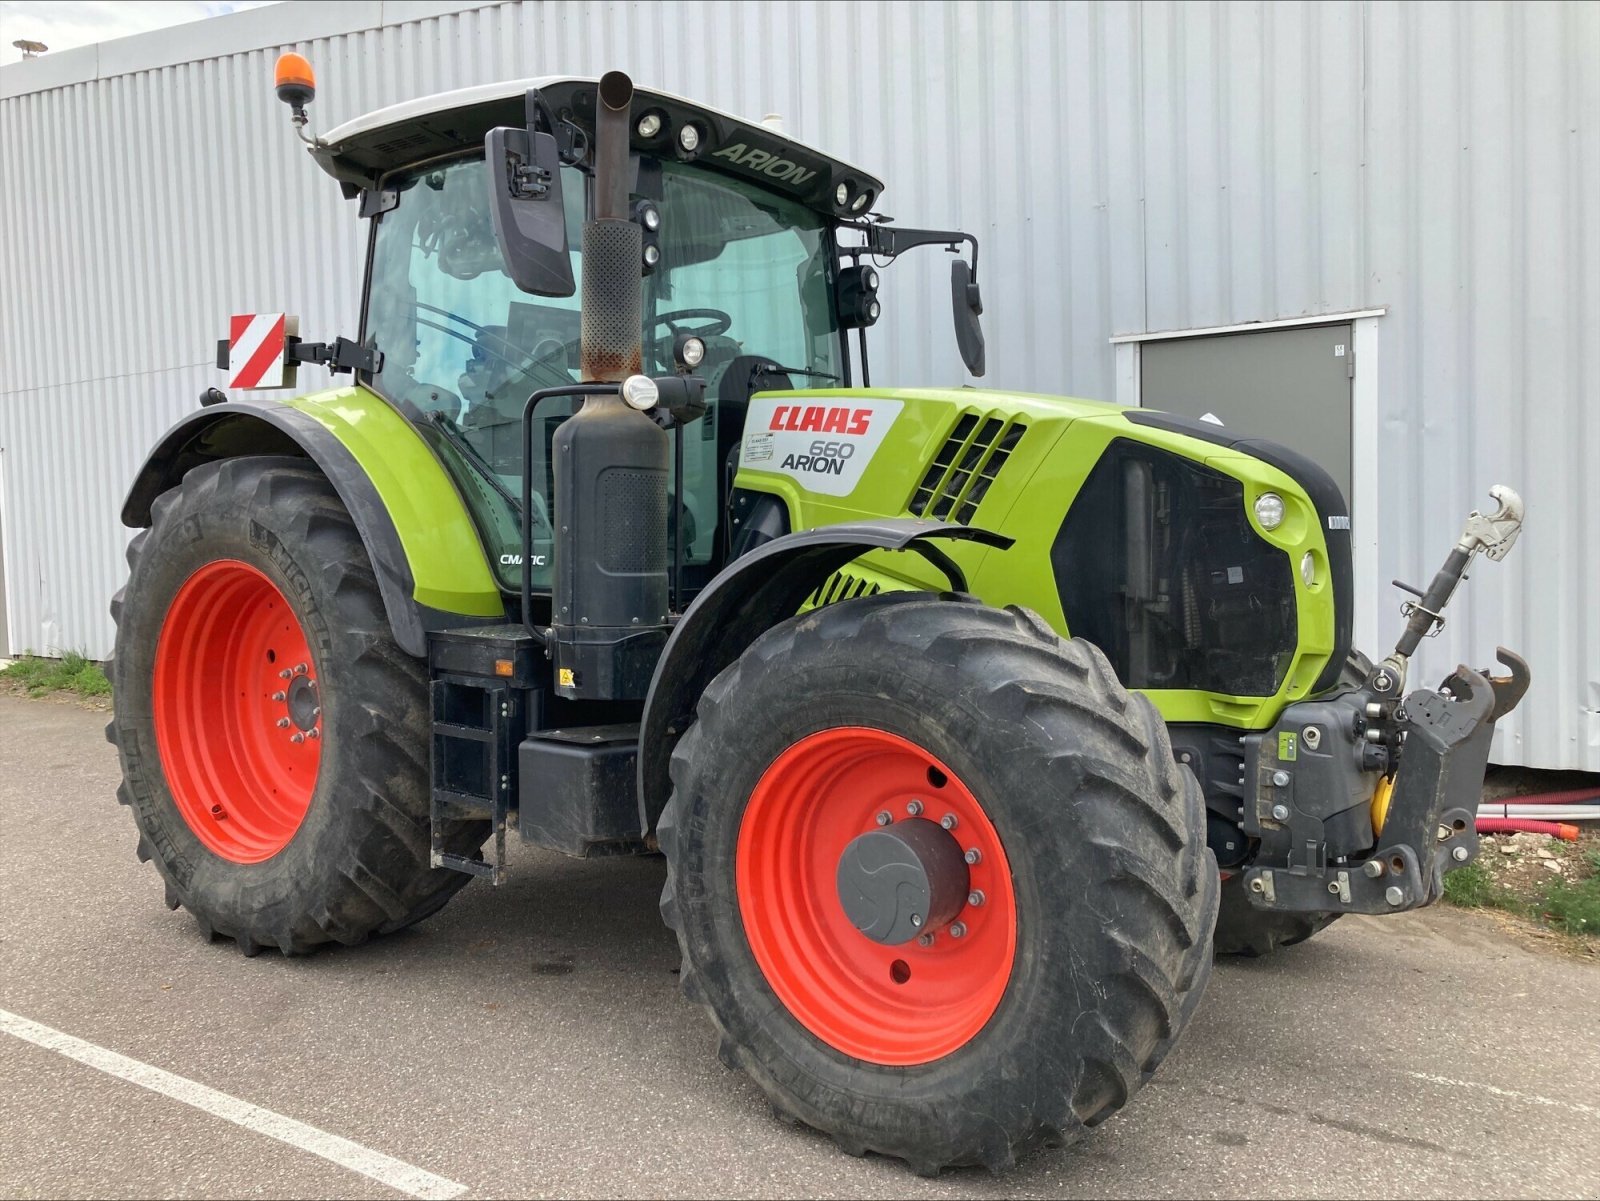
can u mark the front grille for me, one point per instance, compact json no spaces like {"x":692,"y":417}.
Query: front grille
{"x":841,"y":585}
{"x":966,"y":466}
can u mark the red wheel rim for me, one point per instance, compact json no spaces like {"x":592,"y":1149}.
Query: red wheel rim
{"x":237,"y":715}
{"x":895,"y":1005}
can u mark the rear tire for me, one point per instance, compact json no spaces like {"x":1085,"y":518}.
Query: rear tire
{"x":1111,"y":887}
{"x":253,"y":850}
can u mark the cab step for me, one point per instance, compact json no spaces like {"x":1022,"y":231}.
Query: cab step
{"x":477,"y":688}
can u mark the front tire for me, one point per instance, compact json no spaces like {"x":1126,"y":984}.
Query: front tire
{"x":273,"y":737}
{"x":1073,"y":975}
{"x":1246,"y":931}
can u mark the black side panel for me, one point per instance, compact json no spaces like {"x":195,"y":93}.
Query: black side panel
{"x":753,"y":593}
{"x":240,"y":428}
{"x":1325,"y":496}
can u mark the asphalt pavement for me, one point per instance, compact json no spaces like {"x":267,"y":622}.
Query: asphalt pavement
{"x":530,"y":1041}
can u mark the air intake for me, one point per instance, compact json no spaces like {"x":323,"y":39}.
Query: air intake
{"x":966,"y":465}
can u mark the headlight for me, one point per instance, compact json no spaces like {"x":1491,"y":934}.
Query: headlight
{"x":649,"y":125}
{"x":841,"y":195}
{"x":860,"y":202}
{"x":1269,"y":510}
{"x":1308,"y":569}
{"x":640,"y":392}
{"x":869,"y":277}
{"x":689,"y":138}
{"x":652,"y":255}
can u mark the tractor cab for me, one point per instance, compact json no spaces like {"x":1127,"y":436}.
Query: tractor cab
{"x":749,"y":250}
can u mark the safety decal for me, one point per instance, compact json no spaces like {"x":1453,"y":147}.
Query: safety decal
{"x":823,"y":445}
{"x":257,"y":351}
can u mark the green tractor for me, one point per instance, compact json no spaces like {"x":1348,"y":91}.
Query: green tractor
{"x":969,"y":723}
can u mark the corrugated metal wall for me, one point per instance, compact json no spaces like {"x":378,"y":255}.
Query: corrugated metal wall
{"x":1129,"y":167}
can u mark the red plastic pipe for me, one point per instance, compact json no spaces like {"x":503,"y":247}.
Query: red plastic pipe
{"x":1572,"y":796}
{"x":1517,"y":825}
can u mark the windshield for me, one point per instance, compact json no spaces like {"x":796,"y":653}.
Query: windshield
{"x":463,"y":347}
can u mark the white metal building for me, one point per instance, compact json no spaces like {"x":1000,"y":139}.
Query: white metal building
{"x":1421,"y":181}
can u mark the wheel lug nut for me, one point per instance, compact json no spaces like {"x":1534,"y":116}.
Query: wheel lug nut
{"x":297,"y":737}
{"x":916,"y":919}
{"x":976,"y":897}
{"x":948,"y":821}
{"x":299,"y":669}
{"x":925,"y":940}
{"x":958,"y":929}
{"x":973,"y":856}
{"x":280,"y":696}
{"x":283,"y":723}
{"x":286,"y":674}
{"x":913,"y":807}
{"x":883,"y":819}
{"x":313,"y":733}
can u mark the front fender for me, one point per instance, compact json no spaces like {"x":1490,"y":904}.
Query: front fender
{"x":749,"y":596}
{"x":425,"y":549}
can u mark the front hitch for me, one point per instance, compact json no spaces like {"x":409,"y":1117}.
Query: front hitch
{"x":1430,"y":826}
{"x":1311,"y":778}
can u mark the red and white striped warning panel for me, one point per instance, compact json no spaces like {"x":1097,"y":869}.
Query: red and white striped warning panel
{"x":257,"y":350}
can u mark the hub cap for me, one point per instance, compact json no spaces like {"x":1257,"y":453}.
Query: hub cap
{"x":237,"y":711}
{"x":876,"y":896}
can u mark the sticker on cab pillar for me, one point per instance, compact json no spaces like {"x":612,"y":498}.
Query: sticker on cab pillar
{"x":824,"y":445}
{"x":1288,"y":750}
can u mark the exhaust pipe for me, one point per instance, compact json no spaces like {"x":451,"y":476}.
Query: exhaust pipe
{"x":612,"y":245}
{"x":610,"y":593}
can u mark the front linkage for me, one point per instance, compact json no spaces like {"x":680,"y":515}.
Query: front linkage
{"x":1361,"y":801}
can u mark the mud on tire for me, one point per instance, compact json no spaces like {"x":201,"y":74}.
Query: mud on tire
{"x":1115,"y":889}
{"x":358,"y":864}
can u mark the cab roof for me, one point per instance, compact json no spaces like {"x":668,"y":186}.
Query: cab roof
{"x":360,"y":152}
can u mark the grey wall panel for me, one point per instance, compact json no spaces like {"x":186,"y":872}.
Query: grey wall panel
{"x":1130,"y":168}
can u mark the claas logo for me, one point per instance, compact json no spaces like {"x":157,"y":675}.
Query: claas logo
{"x":821,"y":419}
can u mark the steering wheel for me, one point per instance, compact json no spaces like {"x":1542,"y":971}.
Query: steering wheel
{"x":721,"y":322}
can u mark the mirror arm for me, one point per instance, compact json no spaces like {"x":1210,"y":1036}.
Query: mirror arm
{"x":891,"y":241}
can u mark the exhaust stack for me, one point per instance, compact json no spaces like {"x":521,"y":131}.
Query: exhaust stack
{"x":612,"y":244}
{"x":610,"y":595}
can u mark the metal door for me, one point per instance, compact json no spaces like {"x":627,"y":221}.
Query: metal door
{"x":1289,"y":385}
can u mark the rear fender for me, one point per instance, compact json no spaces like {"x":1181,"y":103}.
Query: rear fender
{"x":749,"y":597}
{"x":429,"y":563}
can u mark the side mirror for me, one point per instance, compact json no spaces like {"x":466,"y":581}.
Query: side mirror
{"x":530,"y":219}
{"x":967,"y":304}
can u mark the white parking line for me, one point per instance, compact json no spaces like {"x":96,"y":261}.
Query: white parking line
{"x":398,"y":1175}
{"x":1530,"y":1098}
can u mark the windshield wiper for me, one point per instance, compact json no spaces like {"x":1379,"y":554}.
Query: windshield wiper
{"x":453,"y":435}
{"x":773,"y":369}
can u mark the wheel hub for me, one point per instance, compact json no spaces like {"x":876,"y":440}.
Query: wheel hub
{"x":304,"y":705}
{"x":894,"y":883}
